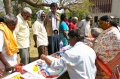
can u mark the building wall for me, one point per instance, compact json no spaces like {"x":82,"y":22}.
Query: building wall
{"x":115,"y":10}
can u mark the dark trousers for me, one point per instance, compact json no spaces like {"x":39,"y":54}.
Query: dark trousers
{"x":24,"y":55}
{"x":42,"y":50}
{"x":53,"y":45}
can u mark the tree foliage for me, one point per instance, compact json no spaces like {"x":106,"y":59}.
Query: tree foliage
{"x":81,"y":10}
{"x":77,"y":8}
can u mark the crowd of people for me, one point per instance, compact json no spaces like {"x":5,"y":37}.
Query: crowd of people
{"x":94,"y":52}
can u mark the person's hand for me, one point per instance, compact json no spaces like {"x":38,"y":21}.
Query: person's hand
{"x":19,"y":67}
{"x":43,"y":57}
{"x":90,"y":44}
{"x":35,"y":46}
{"x":57,"y":18}
{"x":47,"y":60}
{"x":2,"y":72}
{"x":8,"y":67}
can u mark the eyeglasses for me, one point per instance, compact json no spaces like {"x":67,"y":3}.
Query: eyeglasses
{"x":26,"y":15}
{"x":42,"y":16}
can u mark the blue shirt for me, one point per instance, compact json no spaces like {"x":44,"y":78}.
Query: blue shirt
{"x":63,"y":27}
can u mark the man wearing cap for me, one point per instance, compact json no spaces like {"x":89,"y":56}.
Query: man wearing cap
{"x":22,"y":34}
{"x":84,"y":26}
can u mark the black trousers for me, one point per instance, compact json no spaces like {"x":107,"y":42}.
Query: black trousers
{"x":53,"y":45}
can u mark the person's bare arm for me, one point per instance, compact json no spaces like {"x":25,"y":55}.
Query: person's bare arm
{"x":65,"y":34}
{"x":47,"y":60}
{"x":4,"y":61}
{"x":35,"y":40}
{"x":2,"y":72}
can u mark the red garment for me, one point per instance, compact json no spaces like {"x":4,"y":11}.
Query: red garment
{"x":72,"y":26}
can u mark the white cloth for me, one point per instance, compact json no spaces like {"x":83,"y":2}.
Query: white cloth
{"x":39,"y":14}
{"x":118,"y":28}
{"x":40,"y":31}
{"x":22,"y":32}
{"x":79,"y":60}
{"x":54,"y":25}
{"x":12,"y":60}
{"x":84,"y":27}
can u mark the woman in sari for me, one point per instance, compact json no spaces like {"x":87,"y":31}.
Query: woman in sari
{"x":107,"y":48}
{"x":63,"y":29}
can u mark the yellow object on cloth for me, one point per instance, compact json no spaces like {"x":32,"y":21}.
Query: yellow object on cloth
{"x":10,"y":43}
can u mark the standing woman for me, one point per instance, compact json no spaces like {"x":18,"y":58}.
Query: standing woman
{"x":63,"y":29}
{"x":107,"y":48}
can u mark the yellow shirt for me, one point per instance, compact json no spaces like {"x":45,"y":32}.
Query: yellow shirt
{"x":22,"y":33}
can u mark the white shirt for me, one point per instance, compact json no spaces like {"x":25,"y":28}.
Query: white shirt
{"x":79,"y":60}
{"x":40,"y":31}
{"x":54,"y":22}
{"x":22,"y":33}
{"x":12,"y":60}
{"x":84,"y":27}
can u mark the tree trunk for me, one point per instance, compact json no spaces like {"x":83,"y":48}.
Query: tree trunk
{"x":19,"y":6}
{"x":8,"y":6}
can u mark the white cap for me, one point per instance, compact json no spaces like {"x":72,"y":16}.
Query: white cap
{"x":27,"y":9}
{"x":89,"y":16}
{"x":74,"y":18}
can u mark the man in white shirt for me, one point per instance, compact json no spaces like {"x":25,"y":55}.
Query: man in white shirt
{"x":84,"y":26}
{"x":40,"y":34}
{"x":8,"y":45}
{"x":79,"y":60}
{"x":22,"y":34}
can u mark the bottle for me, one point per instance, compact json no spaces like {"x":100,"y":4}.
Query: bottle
{"x":61,"y":46}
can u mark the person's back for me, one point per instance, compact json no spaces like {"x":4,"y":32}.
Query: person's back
{"x":79,"y":59}
{"x":82,"y":62}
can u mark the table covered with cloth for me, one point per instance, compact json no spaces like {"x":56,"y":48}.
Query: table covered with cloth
{"x":38,"y":70}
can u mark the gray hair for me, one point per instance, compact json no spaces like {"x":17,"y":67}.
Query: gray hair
{"x":27,"y":9}
{"x":74,"y":18}
{"x":96,"y":31}
{"x":89,"y":16}
{"x":10,"y":18}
